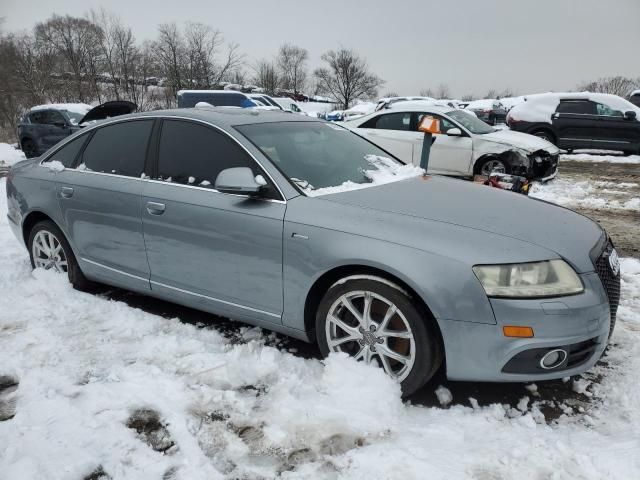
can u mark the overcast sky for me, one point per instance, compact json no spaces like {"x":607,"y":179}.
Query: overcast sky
{"x":470,"y":45}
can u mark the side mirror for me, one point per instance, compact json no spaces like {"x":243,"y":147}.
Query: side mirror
{"x":454,"y":132}
{"x":630,"y":115}
{"x":240,"y":180}
{"x":60,"y":124}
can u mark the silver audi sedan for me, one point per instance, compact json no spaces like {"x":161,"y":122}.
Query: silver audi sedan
{"x":305,"y":228}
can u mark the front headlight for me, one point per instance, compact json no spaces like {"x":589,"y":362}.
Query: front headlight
{"x":526,"y":280}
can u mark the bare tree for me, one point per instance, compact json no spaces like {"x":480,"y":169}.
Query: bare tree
{"x":427,"y":92}
{"x":469,"y":97}
{"x":391,"y":94}
{"x":347,"y":77}
{"x":443,"y":91}
{"x":170,"y":49}
{"x":292,"y":62}
{"x":267,"y":76}
{"x":75,"y":39}
{"x":618,"y":85}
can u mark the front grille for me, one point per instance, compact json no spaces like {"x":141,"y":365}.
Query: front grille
{"x":578,"y":353}
{"x":610,"y":281}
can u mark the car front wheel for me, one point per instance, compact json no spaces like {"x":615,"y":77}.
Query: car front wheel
{"x":493,"y":165}
{"x":377,"y":323}
{"x":29,"y":148}
{"x":49,"y":249}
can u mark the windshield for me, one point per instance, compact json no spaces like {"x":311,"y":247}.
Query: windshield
{"x":322,"y":158}
{"x":74,"y":117}
{"x":470,"y":122}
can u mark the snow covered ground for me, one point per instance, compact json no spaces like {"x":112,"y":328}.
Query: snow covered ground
{"x":9,"y":155}
{"x":95,"y":386}
{"x":599,"y":156}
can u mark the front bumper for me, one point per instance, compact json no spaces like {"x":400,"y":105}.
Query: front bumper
{"x":480,"y":352}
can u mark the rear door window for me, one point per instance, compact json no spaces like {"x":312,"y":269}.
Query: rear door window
{"x":390,"y":121}
{"x":445,"y":125}
{"x":119,"y":149}
{"x":584,"y":107}
{"x":68,"y":154}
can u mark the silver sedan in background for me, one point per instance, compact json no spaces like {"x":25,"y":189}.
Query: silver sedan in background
{"x":305,"y":228}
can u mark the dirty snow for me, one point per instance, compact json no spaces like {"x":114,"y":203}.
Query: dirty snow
{"x":586,"y":194}
{"x":9,"y":155}
{"x":597,"y":156}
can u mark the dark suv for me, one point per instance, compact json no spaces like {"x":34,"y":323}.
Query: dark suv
{"x":44,"y":126}
{"x":592,"y":121}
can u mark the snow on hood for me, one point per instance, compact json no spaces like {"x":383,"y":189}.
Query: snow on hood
{"x":385,"y":171}
{"x":79,"y":108}
{"x":478,"y":207}
{"x":523,"y":141}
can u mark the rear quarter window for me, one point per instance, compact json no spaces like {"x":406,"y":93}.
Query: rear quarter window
{"x":67,"y":155}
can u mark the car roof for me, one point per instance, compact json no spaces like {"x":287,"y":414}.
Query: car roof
{"x":417,"y":106}
{"x":226,"y":116}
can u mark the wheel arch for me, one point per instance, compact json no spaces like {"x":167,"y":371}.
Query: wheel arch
{"x":336,"y":274}
{"x":546,"y":129}
{"x":32,"y":219}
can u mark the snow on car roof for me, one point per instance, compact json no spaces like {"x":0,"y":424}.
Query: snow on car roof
{"x":79,"y":108}
{"x":635,"y":92}
{"x":421,"y":105}
{"x":483,"y":103}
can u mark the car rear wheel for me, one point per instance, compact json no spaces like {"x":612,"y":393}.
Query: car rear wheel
{"x":49,"y":249}
{"x":377,"y":323}
{"x":29,"y":148}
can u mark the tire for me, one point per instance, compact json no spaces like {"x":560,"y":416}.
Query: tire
{"x":412,"y":342}
{"x":545,"y":135}
{"x":47,"y":232}
{"x":490,"y":164}
{"x":29,"y":148}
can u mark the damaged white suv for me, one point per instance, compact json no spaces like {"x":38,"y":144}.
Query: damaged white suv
{"x":465,"y":147}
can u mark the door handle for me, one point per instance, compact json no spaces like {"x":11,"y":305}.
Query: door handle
{"x":66,"y":192}
{"x":155,"y":208}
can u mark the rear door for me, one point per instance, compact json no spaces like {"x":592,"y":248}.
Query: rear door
{"x":100,"y":203}
{"x":450,"y":155}
{"x":575,"y":123}
{"x":614,"y":132}
{"x":212,"y":250}
{"x":395,"y":133}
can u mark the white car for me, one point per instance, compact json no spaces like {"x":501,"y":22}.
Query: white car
{"x":289,"y":105}
{"x":465,"y":147}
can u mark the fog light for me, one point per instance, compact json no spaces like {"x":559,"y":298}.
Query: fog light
{"x":553,"y":359}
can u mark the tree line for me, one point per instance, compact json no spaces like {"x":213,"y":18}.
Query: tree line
{"x":98,"y":58}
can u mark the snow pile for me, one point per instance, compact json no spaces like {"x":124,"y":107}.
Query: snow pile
{"x":385,"y":171}
{"x":483,"y":104}
{"x":103,"y":387}
{"x":585,"y":194}
{"x":9,"y":155}
{"x":600,"y":157}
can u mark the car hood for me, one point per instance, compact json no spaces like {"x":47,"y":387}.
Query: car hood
{"x":108,"y":110}
{"x":475,"y":206}
{"x":520,"y":140}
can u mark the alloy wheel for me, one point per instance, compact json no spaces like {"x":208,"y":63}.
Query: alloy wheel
{"x":371,"y":328}
{"x":48,"y":252}
{"x":492,"y":166}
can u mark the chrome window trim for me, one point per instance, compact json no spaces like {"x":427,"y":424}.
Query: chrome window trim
{"x":211,"y":190}
{"x":275,"y":315}
{"x":170,"y":117}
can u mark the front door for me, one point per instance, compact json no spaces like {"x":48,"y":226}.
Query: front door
{"x":100,"y":203}
{"x":450,"y":155}
{"x":215,"y":251}
{"x":575,"y":123}
{"x":614,"y":132}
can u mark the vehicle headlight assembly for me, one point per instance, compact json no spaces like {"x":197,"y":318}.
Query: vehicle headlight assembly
{"x":550,"y":278}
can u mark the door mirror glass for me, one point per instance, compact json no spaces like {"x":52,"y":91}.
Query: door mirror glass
{"x":454,"y":132}
{"x":239,"y":180}
{"x":630,"y":115}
